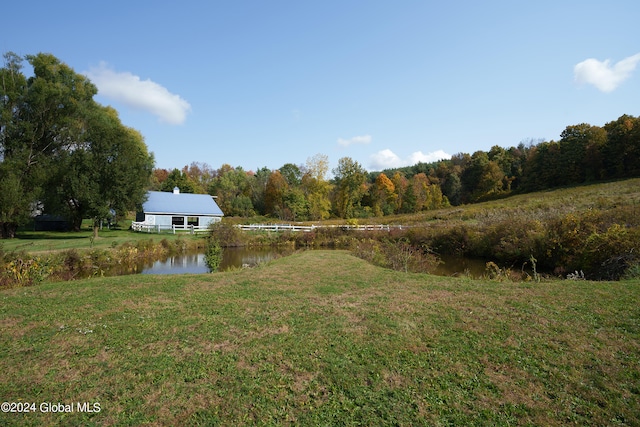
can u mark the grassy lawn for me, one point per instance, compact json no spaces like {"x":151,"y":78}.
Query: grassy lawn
{"x":43,"y":241}
{"x":322,"y":338}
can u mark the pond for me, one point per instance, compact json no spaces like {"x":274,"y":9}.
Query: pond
{"x":460,"y":266}
{"x":194,"y":262}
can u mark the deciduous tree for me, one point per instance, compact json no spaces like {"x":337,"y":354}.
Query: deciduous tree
{"x":274,"y":195}
{"x":349,"y":179}
{"x":179,"y":179}
{"x":52,"y":131}
{"x":383,"y":196}
{"x":232,"y":186}
{"x":316,"y":188}
{"x":105,"y":173}
{"x":622,"y":152}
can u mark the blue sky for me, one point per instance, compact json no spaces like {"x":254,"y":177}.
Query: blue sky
{"x":387,"y":83}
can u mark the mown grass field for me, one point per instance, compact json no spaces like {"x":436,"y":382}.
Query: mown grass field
{"x":50,"y":241}
{"x":322,"y":338}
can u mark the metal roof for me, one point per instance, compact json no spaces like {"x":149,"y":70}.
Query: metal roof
{"x":160,"y":202}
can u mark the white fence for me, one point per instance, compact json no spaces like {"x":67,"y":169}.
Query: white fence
{"x":152,"y":228}
{"x":275,"y":227}
{"x":191,"y":229}
{"x":307,"y":228}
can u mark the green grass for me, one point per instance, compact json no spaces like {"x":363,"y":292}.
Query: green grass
{"x":49,"y":241}
{"x":541,"y":205}
{"x":323,"y":338}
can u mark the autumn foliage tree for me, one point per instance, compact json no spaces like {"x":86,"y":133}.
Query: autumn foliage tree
{"x":584,"y":153}
{"x":383,"y":195}
{"x":274,"y":195}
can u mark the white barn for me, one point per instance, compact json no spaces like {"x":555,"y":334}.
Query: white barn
{"x":165,"y":211}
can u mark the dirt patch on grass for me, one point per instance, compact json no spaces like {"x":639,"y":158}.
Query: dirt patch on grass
{"x":13,"y":328}
{"x":394,"y":380}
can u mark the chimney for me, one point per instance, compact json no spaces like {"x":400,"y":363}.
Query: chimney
{"x":176,"y":190}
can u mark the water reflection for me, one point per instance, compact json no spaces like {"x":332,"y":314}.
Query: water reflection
{"x":178,"y":264}
{"x":194,"y":263}
{"x":231,"y":258}
{"x":461,"y":266}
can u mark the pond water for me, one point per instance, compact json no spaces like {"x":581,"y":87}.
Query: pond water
{"x":238,"y":257}
{"x":193,"y":262}
{"x":460,"y":266}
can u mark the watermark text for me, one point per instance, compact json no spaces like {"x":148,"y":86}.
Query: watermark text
{"x":51,"y":407}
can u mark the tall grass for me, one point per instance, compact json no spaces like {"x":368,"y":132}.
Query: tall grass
{"x":24,"y":269}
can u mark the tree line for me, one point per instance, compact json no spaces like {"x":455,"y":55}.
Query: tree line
{"x":303,"y":192}
{"x":60,"y":151}
{"x":584,"y":154}
{"x":63,"y":153}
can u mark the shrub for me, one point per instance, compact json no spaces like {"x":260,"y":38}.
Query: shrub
{"x":455,"y":240}
{"x":369,"y":250}
{"x":24,"y":270}
{"x":494,"y":272}
{"x":611,"y":254}
{"x":213,"y":255}
{"x":403,"y":256}
{"x":513,"y":241}
{"x":633,"y":272}
{"x":227,"y":235}
{"x":146,"y":245}
{"x":71,"y":265}
{"x":397,"y":255}
{"x":565,"y":239}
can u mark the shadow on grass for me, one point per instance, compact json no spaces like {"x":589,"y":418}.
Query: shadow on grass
{"x":63,"y":235}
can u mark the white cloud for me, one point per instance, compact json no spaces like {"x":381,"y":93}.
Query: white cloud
{"x":144,"y":95}
{"x":604,"y":76}
{"x":387,"y":159}
{"x":419,"y":156}
{"x":364,"y":139}
{"x":384,"y":159}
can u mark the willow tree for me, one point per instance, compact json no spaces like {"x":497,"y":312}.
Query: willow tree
{"x":14,"y":197}
{"x":39,"y":121}
{"x":105,"y":173}
{"x":61,"y":150}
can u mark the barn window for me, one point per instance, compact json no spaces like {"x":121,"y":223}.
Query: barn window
{"x":177,"y":220}
{"x":193,"y":220}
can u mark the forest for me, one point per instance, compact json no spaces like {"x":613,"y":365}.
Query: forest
{"x":584,"y":154}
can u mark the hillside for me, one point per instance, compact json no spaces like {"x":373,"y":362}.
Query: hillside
{"x":543,"y":204}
